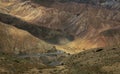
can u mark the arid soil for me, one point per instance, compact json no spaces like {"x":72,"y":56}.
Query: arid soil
{"x":59,"y":36}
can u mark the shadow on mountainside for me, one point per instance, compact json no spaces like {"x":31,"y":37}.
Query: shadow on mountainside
{"x":49,"y":35}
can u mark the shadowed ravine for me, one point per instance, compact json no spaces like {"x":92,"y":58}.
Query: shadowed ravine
{"x":38,"y":31}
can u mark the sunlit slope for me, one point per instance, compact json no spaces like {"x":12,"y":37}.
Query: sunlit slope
{"x":85,"y":22}
{"x":13,"y":40}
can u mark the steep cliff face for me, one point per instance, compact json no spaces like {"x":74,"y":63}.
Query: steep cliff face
{"x":88,"y":22}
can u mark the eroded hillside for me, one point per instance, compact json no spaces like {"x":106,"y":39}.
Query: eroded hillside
{"x":59,"y":36}
{"x":85,"y":22}
{"x":13,"y":40}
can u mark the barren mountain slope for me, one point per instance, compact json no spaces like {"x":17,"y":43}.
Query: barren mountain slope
{"x":84,"y":21}
{"x":33,"y":33}
{"x":95,"y":61}
{"x":13,"y":40}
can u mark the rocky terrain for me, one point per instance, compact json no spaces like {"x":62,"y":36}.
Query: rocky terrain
{"x":95,"y":61}
{"x":82,"y":25}
{"x":57,"y":34}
